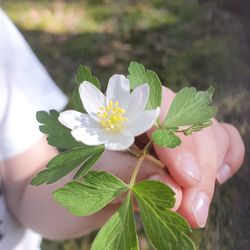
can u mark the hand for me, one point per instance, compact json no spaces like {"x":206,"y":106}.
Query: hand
{"x":215,"y":153}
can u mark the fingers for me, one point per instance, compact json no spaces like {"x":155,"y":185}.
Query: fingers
{"x":196,"y":200}
{"x":180,"y":161}
{"x":234,"y":156}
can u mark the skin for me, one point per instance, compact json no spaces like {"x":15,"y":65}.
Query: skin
{"x":210,"y":150}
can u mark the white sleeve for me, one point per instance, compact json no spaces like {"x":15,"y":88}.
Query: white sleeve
{"x":25,"y":88}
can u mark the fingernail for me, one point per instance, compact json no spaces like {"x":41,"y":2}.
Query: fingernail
{"x":223,"y":174}
{"x":190,"y":166}
{"x":155,"y":177}
{"x":200,"y":208}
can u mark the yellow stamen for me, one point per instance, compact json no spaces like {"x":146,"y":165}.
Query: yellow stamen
{"x":112,"y":116}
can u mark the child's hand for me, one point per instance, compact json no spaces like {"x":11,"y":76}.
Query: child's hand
{"x":215,"y":153}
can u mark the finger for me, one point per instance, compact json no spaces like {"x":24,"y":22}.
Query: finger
{"x":222,"y":142}
{"x":196,"y":199}
{"x":180,"y":161}
{"x":234,"y":156}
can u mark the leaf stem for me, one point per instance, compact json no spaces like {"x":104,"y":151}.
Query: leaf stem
{"x":134,"y":150}
{"x":154,"y":160}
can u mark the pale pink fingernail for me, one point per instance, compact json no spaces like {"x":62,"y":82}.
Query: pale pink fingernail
{"x":189,"y":165}
{"x":224,"y":174}
{"x":155,"y":177}
{"x":200,"y":208}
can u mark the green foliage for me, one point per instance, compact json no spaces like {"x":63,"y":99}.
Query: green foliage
{"x":119,"y":232}
{"x":197,"y":127}
{"x":87,"y":165}
{"x":58,"y":135}
{"x":160,"y":194}
{"x":83,"y":74}
{"x":166,"y":138}
{"x":164,"y":228}
{"x":66,"y":162}
{"x":138,"y":76}
{"x":88,"y":197}
{"x":190,"y":107}
{"x":77,"y":102}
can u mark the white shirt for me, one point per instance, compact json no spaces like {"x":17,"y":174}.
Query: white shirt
{"x":25,"y":88}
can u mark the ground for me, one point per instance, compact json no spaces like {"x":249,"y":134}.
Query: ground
{"x":198,"y":43}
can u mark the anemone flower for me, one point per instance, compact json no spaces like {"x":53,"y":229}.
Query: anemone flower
{"x":113,"y":120}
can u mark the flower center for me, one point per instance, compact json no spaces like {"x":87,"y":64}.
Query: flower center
{"x":112,"y":116}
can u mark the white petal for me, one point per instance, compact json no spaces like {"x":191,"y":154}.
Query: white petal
{"x":143,"y":122}
{"x":91,"y":136}
{"x":96,"y":136}
{"x":124,"y":142}
{"x":118,"y":90}
{"x":138,"y":101}
{"x":73,"y":119}
{"x":92,"y":98}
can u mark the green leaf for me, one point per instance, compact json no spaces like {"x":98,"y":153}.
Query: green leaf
{"x":77,"y":102}
{"x":197,"y":127}
{"x":86,"y":166}
{"x":138,"y":76}
{"x":84,"y":74}
{"x":164,"y":228}
{"x":119,"y":232}
{"x":88,"y":197}
{"x":157,"y":192}
{"x":64,"y":163}
{"x":58,"y":135}
{"x":190,"y":107}
{"x":166,"y":138}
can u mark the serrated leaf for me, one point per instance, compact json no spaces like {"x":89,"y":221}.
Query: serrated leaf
{"x":165,"y":138}
{"x":157,"y":192}
{"x":58,"y":135}
{"x":84,"y":74}
{"x":190,"y":107}
{"x":138,"y":76}
{"x":64,"y":163}
{"x":119,"y":232}
{"x":85,"y":198}
{"x":165,"y":229}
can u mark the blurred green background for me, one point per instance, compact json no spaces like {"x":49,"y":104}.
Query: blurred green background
{"x":192,"y":42}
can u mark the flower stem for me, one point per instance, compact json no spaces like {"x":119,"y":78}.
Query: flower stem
{"x":144,"y":154}
{"x":136,"y":170}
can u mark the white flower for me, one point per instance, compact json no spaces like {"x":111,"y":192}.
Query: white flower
{"x":113,"y":120}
